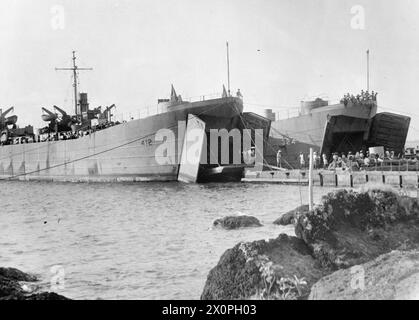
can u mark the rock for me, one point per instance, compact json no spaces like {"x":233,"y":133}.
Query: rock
{"x":236,"y":222}
{"x":15,"y":274}
{"x":10,"y":288}
{"x":393,"y":276}
{"x":45,"y":296}
{"x":276,"y":269}
{"x":350,"y":227}
{"x":289,"y":217}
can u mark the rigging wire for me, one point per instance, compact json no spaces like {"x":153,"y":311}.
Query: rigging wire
{"x":270,"y":145}
{"x":299,"y":190}
{"x":271,"y":106}
{"x":244,"y":124}
{"x":69,"y":91}
{"x":137,"y":139}
{"x":85,"y":157}
{"x":95,"y":154}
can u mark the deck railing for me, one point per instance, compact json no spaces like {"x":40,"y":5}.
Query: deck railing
{"x":148,"y":111}
{"x":385,"y":165}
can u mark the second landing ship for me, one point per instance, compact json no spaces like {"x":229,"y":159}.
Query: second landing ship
{"x":343,"y":127}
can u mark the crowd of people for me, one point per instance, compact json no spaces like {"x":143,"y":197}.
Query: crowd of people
{"x":68,"y":135}
{"x":62,"y":135}
{"x":363,"y":97}
{"x":350,"y":160}
{"x":55,"y":136}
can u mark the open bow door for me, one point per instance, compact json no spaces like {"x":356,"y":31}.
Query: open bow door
{"x":192,"y":150}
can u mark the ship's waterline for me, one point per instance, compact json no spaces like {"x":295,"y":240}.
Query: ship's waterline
{"x":133,"y":151}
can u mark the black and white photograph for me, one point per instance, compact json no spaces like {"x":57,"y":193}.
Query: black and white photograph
{"x":209,"y":154}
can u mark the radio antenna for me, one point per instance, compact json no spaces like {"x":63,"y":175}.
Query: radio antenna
{"x":75,"y":68}
{"x":228,"y":70}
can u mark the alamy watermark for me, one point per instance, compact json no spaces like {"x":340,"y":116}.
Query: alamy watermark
{"x":57,"y":281}
{"x":358,"y":19}
{"x":224,"y":146}
{"x":357,"y":278}
{"x":58,"y":17}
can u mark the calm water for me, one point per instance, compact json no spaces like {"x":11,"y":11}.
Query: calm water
{"x":132,"y":241}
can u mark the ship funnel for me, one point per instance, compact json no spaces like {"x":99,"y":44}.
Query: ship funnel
{"x":83,"y":104}
{"x":269,"y":114}
{"x":308,"y":106}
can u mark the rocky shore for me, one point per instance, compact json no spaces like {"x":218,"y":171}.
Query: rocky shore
{"x":392,"y":276}
{"x":343,"y":249}
{"x":13,"y":287}
{"x":290,"y":216}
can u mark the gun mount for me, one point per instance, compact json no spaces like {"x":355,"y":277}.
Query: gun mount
{"x":58,"y":122}
{"x":49,"y":116}
{"x":7,"y":121}
{"x":9,"y":130}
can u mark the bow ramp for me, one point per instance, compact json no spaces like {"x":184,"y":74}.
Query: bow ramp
{"x":192,"y":150}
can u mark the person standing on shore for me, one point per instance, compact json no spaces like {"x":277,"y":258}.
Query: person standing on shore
{"x":316,"y":160}
{"x":344,"y":160}
{"x":334,"y":164}
{"x":325,"y":162}
{"x":279,"y":159}
{"x":302,"y":161}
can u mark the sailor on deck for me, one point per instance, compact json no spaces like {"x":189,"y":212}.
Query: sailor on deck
{"x":316,"y":160}
{"x":279,"y":159}
{"x":239,"y":94}
{"x":302,"y":161}
{"x":325,"y":162}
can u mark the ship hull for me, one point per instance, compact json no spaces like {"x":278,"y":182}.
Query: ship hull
{"x":336,"y":128}
{"x":125,"y":152}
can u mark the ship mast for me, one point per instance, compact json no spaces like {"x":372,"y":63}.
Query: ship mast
{"x":228,"y":70}
{"x":368,"y":70}
{"x":75,"y":68}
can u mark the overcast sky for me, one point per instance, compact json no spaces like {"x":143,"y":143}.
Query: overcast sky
{"x":282,"y":51}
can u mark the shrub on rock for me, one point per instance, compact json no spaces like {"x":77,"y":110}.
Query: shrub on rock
{"x":10,"y":288}
{"x":289,"y":217}
{"x":276,"y":269}
{"x":351,"y":227}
